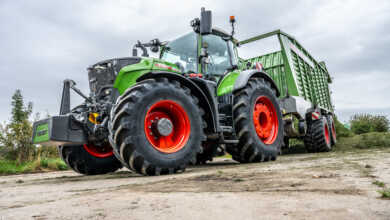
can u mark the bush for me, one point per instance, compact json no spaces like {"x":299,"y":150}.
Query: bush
{"x":385,"y":193}
{"x":341,"y":130}
{"x":47,"y":152}
{"x":44,"y":163}
{"x":365,"y":123}
{"x":380,"y":123}
{"x":372,"y":140}
{"x":364,"y":141}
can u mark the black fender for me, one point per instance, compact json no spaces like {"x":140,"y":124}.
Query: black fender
{"x":205,"y":99}
{"x":244,"y":76}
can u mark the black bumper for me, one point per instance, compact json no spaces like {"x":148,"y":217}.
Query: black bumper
{"x":58,"y":130}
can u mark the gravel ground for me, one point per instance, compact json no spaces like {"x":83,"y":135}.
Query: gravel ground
{"x":300,"y":186}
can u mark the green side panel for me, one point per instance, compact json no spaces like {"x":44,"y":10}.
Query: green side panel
{"x":227,"y":83}
{"x":273,"y":64}
{"x":311,"y":77}
{"x":128,"y":75}
{"x":41,"y":133}
{"x":294,"y":70}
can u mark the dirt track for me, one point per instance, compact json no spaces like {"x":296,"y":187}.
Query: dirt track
{"x":304,"y":186}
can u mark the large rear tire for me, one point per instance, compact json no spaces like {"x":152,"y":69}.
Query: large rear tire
{"x":258,"y":122}
{"x":89,"y":160}
{"x":318,"y":137}
{"x":156,"y":127}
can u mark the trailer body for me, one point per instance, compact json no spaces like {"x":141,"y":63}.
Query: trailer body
{"x":294,"y":70}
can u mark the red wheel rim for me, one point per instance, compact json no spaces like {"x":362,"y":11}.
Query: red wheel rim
{"x":327,"y":133}
{"x":265,"y":120}
{"x":180,"y":126}
{"x":333,"y":131}
{"x":101,"y":152}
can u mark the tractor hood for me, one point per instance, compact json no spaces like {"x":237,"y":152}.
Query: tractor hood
{"x":128,"y":75}
{"x":112,"y":71}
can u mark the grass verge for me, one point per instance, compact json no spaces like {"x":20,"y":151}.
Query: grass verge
{"x":39,"y":165}
{"x":364,"y":141}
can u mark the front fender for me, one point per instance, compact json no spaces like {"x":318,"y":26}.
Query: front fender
{"x":205,"y":99}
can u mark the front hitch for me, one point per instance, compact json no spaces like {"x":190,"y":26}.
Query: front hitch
{"x":65,"y":128}
{"x":65,"y":100}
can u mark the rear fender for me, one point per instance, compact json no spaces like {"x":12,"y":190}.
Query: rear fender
{"x":244,"y":76}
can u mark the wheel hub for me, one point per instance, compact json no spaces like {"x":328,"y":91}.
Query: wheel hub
{"x":263,"y":123}
{"x":265,"y":120}
{"x":164,"y":127}
{"x":167,"y":126}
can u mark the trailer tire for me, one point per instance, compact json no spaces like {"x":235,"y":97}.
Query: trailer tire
{"x":332,"y":130}
{"x":140,"y":140}
{"x":318,"y":138}
{"x":81,"y":161}
{"x":258,"y":122}
{"x":308,"y":141}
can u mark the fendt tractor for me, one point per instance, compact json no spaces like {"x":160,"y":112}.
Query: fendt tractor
{"x":198,"y":100}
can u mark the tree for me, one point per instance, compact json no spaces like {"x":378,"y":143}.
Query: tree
{"x":16,"y":135}
{"x":20,"y":112}
{"x":364,"y":123}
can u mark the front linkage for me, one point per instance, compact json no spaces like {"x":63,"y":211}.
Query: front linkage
{"x":81,"y":133}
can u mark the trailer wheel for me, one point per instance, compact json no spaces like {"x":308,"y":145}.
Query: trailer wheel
{"x":318,"y":137}
{"x":157,"y":127}
{"x":308,"y":141}
{"x":332,"y":130}
{"x":258,"y":122}
{"x":88,"y":159}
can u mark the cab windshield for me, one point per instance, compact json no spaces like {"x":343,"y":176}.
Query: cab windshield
{"x":182,"y":52}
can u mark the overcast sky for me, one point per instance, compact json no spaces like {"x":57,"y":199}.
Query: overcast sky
{"x":44,"y":42}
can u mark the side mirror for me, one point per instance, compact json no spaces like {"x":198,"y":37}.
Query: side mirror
{"x":205,"y":22}
{"x":155,"y":49}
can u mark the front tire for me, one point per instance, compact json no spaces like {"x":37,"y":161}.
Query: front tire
{"x":258,"y":122}
{"x":89,"y":160}
{"x":156,"y":127}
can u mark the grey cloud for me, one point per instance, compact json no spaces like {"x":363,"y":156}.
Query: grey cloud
{"x":44,"y":42}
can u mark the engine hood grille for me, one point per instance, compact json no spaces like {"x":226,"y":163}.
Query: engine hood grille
{"x":103,"y":74}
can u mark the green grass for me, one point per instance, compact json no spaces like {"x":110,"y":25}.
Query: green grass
{"x":379,"y":183}
{"x":39,"y":165}
{"x":385,"y":193}
{"x":353,"y":143}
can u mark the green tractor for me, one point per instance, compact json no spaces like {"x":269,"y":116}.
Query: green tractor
{"x":196,"y":101}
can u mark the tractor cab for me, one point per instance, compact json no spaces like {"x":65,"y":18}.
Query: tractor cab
{"x":220,"y":51}
{"x":215,"y":49}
